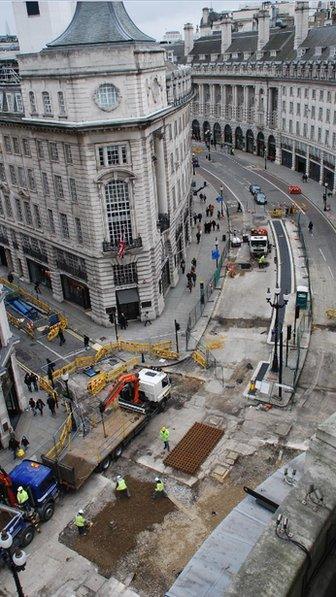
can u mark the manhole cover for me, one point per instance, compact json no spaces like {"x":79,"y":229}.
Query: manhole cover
{"x":193,"y":448}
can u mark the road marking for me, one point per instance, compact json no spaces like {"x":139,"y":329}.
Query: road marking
{"x":48,"y":348}
{"x":281,"y":191}
{"x":61,"y":356}
{"x":323,"y":255}
{"x":224,"y":183}
{"x":332,"y":275}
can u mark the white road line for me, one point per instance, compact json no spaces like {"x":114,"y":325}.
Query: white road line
{"x":323,"y":255}
{"x":61,"y":356}
{"x":281,"y":191}
{"x":51,"y":350}
{"x":223,"y":183}
{"x":332,"y":275}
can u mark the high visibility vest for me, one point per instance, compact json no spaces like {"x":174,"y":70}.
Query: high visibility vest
{"x":121,"y":485}
{"x":22,"y":496}
{"x":164,"y":434}
{"x":80,"y":520}
{"x":159,"y":486}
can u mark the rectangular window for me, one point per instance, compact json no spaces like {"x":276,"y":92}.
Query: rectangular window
{"x":40,"y":149}
{"x":32,"y":102}
{"x":320,"y":114}
{"x":326,"y":138}
{"x":313,"y":111}
{"x":79,"y":230}
{"x":118,"y":211}
{"x":51,"y":220}
{"x":31,"y":180}
{"x":313,"y":93}
{"x":2,"y":172}
{"x":321,"y":94}
{"x":306,"y":110}
{"x":175,"y":129}
{"x":171,"y":163}
{"x":170,"y":132}
{"x":334,"y":121}
{"x":291,"y":91}
{"x":284,"y":124}
{"x":12,"y":175}
{"x":10,"y":102}
{"x":58,"y":186}
{"x":67,"y":153}
{"x":72,"y":189}
{"x":18,"y":209}
{"x":291,"y":106}
{"x":298,"y":109}
{"x":328,"y":115}
{"x":28,"y":214}
{"x":8,"y":144}
{"x":16,"y":146}
{"x":334,"y":140}
{"x":305,"y":130}
{"x":125,"y":274}
{"x":312,"y":132}
{"x":26,"y":147}
{"x":8,"y":206}
{"x":37,"y":216}
{"x":22,"y":177}
{"x":47,"y":107}
{"x":18,"y":103}
{"x":298,"y":128}
{"x":2,"y":213}
{"x":306,"y":92}
{"x":290,"y":126}
{"x":61,"y":103}
{"x":33,"y":9}
{"x":284,"y":106}
{"x":319,"y":134}
{"x":45,"y":183}
{"x":174,"y":197}
{"x":64,"y":225}
{"x":329,"y":96}
{"x":299,"y":92}
{"x":53,"y":151}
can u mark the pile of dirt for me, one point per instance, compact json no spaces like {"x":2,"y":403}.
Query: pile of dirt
{"x":185,"y":386}
{"x":82,"y":468}
{"x":115,"y":528}
{"x":226,"y":323}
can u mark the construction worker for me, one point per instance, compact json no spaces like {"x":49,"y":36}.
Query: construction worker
{"x":262,"y":261}
{"x":159,"y":490}
{"x":80,"y":522}
{"x":23,"y":499}
{"x":121,"y":486}
{"x":164,"y":436}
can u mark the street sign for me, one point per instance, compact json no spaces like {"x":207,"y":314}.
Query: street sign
{"x":220,"y":199}
{"x":215,"y":254}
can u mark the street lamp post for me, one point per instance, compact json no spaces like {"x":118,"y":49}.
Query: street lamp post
{"x":15,"y":561}
{"x":65,"y":378}
{"x":208,"y":143}
{"x":217,"y":251}
{"x":325,"y":196}
{"x":265,"y":156}
{"x":277,"y":306}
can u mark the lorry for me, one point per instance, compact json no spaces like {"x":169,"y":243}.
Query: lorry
{"x":16,"y":523}
{"x":259,"y":242}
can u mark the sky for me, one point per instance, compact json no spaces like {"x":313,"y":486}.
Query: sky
{"x":154,"y":17}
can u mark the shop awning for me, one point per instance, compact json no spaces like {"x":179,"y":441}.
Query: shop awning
{"x":130,"y":295}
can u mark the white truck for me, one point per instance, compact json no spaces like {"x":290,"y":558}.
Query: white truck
{"x":259,"y":243}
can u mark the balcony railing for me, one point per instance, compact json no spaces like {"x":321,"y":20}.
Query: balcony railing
{"x":4,"y":240}
{"x":163,"y":222}
{"x":71,"y":269}
{"x":131,"y":245}
{"x":36,"y":254}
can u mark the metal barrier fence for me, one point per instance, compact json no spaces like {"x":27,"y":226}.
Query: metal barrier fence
{"x":205,"y":294}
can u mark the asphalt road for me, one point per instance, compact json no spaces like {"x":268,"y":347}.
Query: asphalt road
{"x":236,"y":174}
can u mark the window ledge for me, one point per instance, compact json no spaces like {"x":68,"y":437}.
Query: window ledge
{"x":47,"y":115}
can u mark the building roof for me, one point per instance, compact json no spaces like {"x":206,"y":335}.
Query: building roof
{"x":100,"y":23}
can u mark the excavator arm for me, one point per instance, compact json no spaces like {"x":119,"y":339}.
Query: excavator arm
{"x":117,"y":388}
{"x":6,"y":488}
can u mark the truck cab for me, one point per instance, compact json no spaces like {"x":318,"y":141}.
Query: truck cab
{"x":40,"y":483}
{"x":259,"y":243}
{"x":13,"y":521}
{"x":155,"y":385}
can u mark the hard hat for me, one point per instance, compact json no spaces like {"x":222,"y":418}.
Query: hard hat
{"x":20,"y":488}
{"x":157,"y":479}
{"x":119,"y":477}
{"x":81,"y":511}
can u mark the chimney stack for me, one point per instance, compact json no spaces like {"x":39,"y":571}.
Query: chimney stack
{"x":205,"y":16}
{"x":188,"y":38}
{"x":226,"y":34}
{"x":263,"y":18}
{"x":301,"y":19}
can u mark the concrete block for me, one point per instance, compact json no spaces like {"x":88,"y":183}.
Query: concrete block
{"x":95,"y":582}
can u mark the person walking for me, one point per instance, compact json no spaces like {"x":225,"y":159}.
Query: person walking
{"x":33,"y":381}
{"x":194,"y":262}
{"x":193,"y":277}
{"x":189,"y":278}
{"x":218,"y":215}
{"x":121,"y":487}
{"x":190,"y":285}
{"x":10,"y":278}
{"x":37,"y":287}
{"x":13,"y":445}
{"x":32,"y":405}
{"x":200,"y":216}
{"x":201,"y":196}
{"x":80,"y":522}
{"x":310,"y":227}
{"x":213,"y":224}
{"x":182,"y":265}
{"x":207,"y":212}
{"x":86,"y":341}
{"x":40,"y":405}
{"x":164,"y":436}
{"x":159,"y":489}
{"x":239,"y":207}
{"x":61,"y":337}
{"x":51,"y":404}
{"x":204,"y":197}
{"x":50,"y":372}
{"x":195,"y":218}
{"x":123,"y":321}
{"x":25,"y":443}
{"x":198,"y":236}
{"x":147,"y":320}
{"x":23,"y":499}
{"x":28,"y":382}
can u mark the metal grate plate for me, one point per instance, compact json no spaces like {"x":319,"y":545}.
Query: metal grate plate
{"x":194,"y":447}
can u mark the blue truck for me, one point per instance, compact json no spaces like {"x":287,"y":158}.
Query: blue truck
{"x":16,"y":523}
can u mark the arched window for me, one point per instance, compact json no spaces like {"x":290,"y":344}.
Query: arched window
{"x":118,"y":211}
{"x":32,"y":102}
{"x":46,"y":102}
{"x":61,"y":103}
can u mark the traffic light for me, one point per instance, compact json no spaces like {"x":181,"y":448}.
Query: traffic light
{"x":177,"y":326}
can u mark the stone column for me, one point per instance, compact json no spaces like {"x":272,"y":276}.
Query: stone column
{"x":201,"y":98}
{"x":278,"y":154}
{"x":307,"y":161}
{"x":212,"y":100}
{"x":160,"y":173}
{"x":223,"y":101}
{"x":245,"y":103}
{"x":234,"y":102}
{"x":293,"y":156}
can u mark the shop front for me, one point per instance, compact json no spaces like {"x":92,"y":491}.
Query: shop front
{"x":75,"y":292}
{"x":128,"y":303}
{"x":286,"y":158}
{"x":328,"y":178}
{"x":314,"y":171}
{"x":39,"y":273}
{"x":300,"y":164}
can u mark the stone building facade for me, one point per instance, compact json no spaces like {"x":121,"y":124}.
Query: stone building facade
{"x":97,"y":165}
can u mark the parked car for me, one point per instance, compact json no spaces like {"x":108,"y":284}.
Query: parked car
{"x":260,"y":198}
{"x":254,"y":188}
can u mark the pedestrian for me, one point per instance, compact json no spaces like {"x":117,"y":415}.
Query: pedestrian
{"x":50,"y":374}
{"x":239,"y":207}
{"x":10,"y":278}
{"x":147,"y":320}
{"x":198,"y":236}
{"x":40,"y":405}
{"x":32,"y":405}
{"x":124,"y":322}
{"x":195,"y":218}
{"x":34,"y":380}
{"x":262,"y":261}
{"x":213,"y":223}
{"x":164,"y":437}
{"x":159,"y":489}
{"x":27,"y":381}
{"x":51,"y":405}
{"x":190,"y":285}
{"x":207,"y":212}
{"x":287,"y":211}
{"x":13,"y":445}
{"x":211,"y":209}
{"x":121,"y":487}
{"x":199,"y":217}
{"x":80,"y":522}
{"x":86,"y":341}
{"x":204,"y":198}
{"x":201,"y":196}
{"x":310,"y":227}
{"x":61,"y":336}
{"x":218,"y":215}
{"x":25,"y":443}
{"x":189,"y":277}
{"x":23,"y":499}
{"x":37,"y":287}
{"x":194,"y":262}
{"x":182,"y":265}
{"x":50,"y":365}
{"x":193,"y":277}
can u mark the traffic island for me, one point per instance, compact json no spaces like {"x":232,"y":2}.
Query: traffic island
{"x":117,"y":527}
